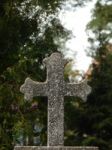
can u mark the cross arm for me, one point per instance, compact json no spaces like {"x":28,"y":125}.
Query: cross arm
{"x":32,"y":88}
{"x":80,"y":90}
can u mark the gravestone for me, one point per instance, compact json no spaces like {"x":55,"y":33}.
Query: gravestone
{"x":55,"y":88}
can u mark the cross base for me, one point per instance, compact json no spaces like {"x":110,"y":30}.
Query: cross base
{"x":55,"y":148}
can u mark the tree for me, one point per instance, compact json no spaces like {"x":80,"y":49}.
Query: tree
{"x":95,"y":122}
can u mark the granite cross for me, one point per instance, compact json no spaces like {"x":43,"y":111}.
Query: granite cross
{"x":55,"y":88}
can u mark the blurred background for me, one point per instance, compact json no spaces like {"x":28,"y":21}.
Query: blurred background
{"x":31,"y":30}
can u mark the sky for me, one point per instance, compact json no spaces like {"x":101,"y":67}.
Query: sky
{"x":76,"y":21}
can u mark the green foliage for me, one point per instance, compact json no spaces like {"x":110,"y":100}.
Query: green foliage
{"x":90,"y":123}
{"x":95,"y":123}
{"x":101,"y":16}
{"x":101,"y":23}
{"x":98,"y":108}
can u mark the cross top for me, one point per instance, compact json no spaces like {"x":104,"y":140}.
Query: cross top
{"x":55,"y":88}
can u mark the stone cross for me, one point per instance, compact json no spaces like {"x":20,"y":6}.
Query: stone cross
{"x":55,"y":88}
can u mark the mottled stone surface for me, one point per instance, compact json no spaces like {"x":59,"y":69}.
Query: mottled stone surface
{"x":55,"y":88}
{"x":54,"y":148}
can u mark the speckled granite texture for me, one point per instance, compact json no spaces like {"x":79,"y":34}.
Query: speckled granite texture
{"x":54,"y":148}
{"x":55,"y":88}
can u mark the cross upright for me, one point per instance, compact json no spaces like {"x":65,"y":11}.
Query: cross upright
{"x":55,"y":88}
